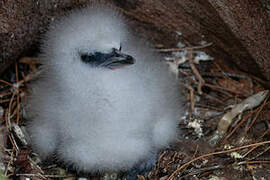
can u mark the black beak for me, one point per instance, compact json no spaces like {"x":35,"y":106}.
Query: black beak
{"x":118,"y":60}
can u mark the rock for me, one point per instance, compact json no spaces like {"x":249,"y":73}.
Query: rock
{"x":238,"y":28}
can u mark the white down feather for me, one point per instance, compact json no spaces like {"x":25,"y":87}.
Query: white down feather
{"x":98,"y":119}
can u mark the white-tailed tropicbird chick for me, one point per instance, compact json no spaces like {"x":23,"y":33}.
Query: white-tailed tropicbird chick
{"x":105,"y":101}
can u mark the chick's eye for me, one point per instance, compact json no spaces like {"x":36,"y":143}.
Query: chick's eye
{"x":88,"y":58}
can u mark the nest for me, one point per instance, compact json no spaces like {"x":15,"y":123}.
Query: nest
{"x":215,"y":141}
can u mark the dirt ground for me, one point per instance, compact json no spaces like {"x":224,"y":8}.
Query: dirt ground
{"x":223,"y":135}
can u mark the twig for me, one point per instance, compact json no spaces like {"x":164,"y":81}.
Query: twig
{"x":261,"y":153}
{"x":214,"y":87}
{"x":184,"y":48}
{"x":223,"y":88}
{"x":46,"y":176}
{"x":196,"y":151}
{"x":33,"y":163}
{"x":32,"y":175}
{"x":231,"y":75}
{"x":29,"y":77}
{"x":8,"y":122}
{"x":265,"y":133}
{"x":7,"y":83}
{"x":253,"y":162}
{"x":13,"y":142}
{"x":238,"y":125}
{"x":257,"y":114}
{"x":195,"y":71}
{"x":198,"y":171}
{"x":4,"y":101}
{"x":5,"y":94}
{"x":191,"y":92}
{"x":214,"y":98}
{"x":18,"y":95}
{"x":29,"y":60}
{"x":211,"y":154}
{"x":9,"y":162}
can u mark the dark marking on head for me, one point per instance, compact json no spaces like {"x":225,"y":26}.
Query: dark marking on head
{"x":112,"y":60}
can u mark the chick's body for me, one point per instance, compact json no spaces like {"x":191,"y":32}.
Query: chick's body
{"x":97,"y":118}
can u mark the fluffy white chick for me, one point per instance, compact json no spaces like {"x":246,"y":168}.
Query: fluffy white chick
{"x":105,"y":101}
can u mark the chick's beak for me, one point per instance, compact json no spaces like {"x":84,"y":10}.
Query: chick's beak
{"x":118,"y":60}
